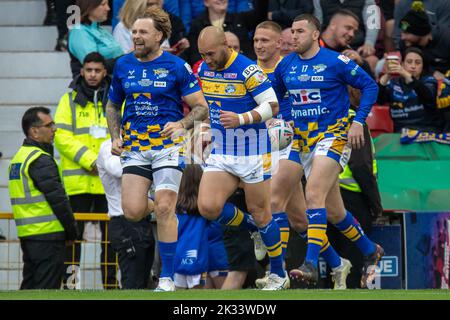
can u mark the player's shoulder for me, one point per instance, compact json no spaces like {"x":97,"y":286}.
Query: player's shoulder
{"x":127,"y":58}
{"x":334,"y":57}
{"x":177,"y":63}
{"x":287,"y":60}
{"x":246,"y":66}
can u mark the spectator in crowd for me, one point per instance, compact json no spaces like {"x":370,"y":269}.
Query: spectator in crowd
{"x":233,"y":41}
{"x":44,"y":219}
{"x":283,"y":12}
{"x":50,"y":14}
{"x":286,"y":42}
{"x":387,"y":8}
{"x":62,"y":23}
{"x":131,"y":9}
{"x":177,"y":43}
{"x":89,"y":36}
{"x":411,"y":93}
{"x":366,"y":33}
{"x":437,"y":11}
{"x":191,"y":257}
{"x":239,"y":23}
{"x":417,"y":31}
{"x":340,"y":33}
{"x":80,"y":118}
{"x":132,"y":241}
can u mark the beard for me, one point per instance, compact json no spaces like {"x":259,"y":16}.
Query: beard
{"x":142,"y":53}
{"x":304,"y":47}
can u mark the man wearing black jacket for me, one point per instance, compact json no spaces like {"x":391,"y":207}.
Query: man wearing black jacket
{"x":240,"y":23}
{"x":43,"y":216}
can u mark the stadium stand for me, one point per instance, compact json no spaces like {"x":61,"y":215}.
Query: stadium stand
{"x":32,"y":74}
{"x":379,"y":121}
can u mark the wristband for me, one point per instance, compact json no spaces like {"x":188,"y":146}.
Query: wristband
{"x":241,"y":119}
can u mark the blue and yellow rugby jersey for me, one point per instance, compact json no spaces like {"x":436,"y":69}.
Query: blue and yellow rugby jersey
{"x":285,"y":106}
{"x":319,"y":97}
{"x":152,"y":92}
{"x":233,"y":89}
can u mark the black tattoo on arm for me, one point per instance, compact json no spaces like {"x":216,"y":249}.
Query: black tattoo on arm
{"x":113,"y":118}
{"x":198,"y":113}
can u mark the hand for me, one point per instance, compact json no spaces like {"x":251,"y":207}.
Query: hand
{"x":94,"y":169}
{"x":356,"y":135}
{"x":172,"y":128}
{"x":229,"y":119}
{"x":352,"y":54}
{"x":438,"y":75}
{"x":116,"y":148}
{"x":366,"y":50}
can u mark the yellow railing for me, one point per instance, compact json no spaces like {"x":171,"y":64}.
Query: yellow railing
{"x":11,"y":258}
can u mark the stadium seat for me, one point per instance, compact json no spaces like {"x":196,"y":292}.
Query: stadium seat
{"x":379,"y":121}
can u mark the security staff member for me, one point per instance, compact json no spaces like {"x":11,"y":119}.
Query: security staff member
{"x":81,"y":122}
{"x":359,"y":190}
{"x":44,"y":219}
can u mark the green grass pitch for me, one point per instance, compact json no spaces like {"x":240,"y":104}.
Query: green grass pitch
{"x":227,"y":295}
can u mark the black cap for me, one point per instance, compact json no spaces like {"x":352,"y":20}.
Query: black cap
{"x":416,"y":20}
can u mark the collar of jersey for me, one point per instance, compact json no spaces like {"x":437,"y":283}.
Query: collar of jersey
{"x":231,"y":59}
{"x":269,"y":70}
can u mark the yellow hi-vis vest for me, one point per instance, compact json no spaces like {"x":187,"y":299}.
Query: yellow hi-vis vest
{"x":346,"y":180}
{"x":77,"y":147}
{"x":32,"y":213}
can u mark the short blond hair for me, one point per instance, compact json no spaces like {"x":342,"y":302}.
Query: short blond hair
{"x":271,"y":25}
{"x":131,"y":10}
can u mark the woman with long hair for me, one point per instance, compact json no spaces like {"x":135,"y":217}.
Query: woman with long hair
{"x":89,"y":36}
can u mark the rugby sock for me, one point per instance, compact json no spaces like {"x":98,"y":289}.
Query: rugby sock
{"x":317,"y":228}
{"x":351,"y":228}
{"x":233,"y":216}
{"x":327,"y":251}
{"x":330,"y":255}
{"x":167,"y":254}
{"x":283,"y":222}
{"x":270,"y":235}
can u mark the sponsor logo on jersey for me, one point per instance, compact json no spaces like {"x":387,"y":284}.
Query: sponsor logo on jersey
{"x":160,"y":84}
{"x":353,"y":72}
{"x":305,"y":96}
{"x":319,"y":68}
{"x":188,"y":68}
{"x":344,"y":58}
{"x":250,"y":70}
{"x":230,"y":75}
{"x":260,"y":77}
{"x":127,"y":85}
{"x":293,"y":69}
{"x":230,"y":89}
{"x":161,"y":73}
{"x":309,"y":112}
{"x":304,"y":77}
{"x":209,"y":73}
{"x":145,"y":83}
{"x":317,"y":78}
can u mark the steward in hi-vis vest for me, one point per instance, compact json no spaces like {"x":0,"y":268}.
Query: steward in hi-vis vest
{"x":41,"y":209}
{"x":82,"y":128}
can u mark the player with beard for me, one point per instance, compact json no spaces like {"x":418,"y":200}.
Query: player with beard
{"x":241,"y":99}
{"x":152,"y":83}
{"x":316,"y":80}
{"x":287,"y":199}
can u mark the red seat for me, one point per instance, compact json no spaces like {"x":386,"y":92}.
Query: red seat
{"x":379,"y":121}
